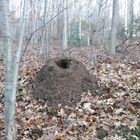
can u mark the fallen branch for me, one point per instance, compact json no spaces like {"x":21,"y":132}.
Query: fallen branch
{"x":126,"y":39}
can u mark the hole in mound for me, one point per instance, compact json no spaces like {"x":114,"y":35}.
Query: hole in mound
{"x":63,"y":63}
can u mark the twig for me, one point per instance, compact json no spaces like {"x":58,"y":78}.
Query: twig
{"x":122,"y":43}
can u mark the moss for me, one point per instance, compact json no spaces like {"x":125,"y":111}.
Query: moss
{"x":138,"y":123}
{"x":101,"y":133}
{"x":123,"y":131}
{"x":132,"y":138}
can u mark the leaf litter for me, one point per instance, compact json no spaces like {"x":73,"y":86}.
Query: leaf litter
{"x":95,"y":117}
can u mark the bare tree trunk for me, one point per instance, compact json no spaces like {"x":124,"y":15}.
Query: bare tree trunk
{"x":65,"y":44}
{"x":60,"y":18}
{"x":130,"y":19}
{"x":80,"y":27}
{"x":100,"y":4}
{"x":2,"y":28}
{"x":89,"y":25}
{"x":98,"y":24}
{"x":9,"y":124}
{"x":80,"y":23}
{"x":11,"y":74}
{"x":113,"y":28}
{"x":88,"y":37}
{"x":45,"y":34}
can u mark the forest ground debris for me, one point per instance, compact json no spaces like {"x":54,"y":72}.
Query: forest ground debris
{"x":113,"y":115}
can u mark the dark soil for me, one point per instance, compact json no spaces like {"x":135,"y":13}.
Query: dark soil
{"x":62,"y":81}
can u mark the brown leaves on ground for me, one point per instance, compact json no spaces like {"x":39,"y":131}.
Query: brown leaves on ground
{"x":118,"y":106}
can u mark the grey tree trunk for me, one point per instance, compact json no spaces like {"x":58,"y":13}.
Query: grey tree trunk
{"x":98,"y":34}
{"x":89,"y":25}
{"x":11,"y":73}
{"x":80,"y":22}
{"x":45,"y":34}
{"x":130,"y":19}
{"x":88,"y":37}
{"x":60,"y":24}
{"x":2,"y":27}
{"x":113,"y":28}
{"x":98,"y":24}
{"x":65,"y":34}
{"x":7,"y":46}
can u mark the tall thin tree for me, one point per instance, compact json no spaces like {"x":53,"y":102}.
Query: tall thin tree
{"x":113,"y":28}
{"x":7,"y":47}
{"x":130,"y":15}
{"x":11,"y":72}
{"x":99,"y":3}
{"x":65,"y":29}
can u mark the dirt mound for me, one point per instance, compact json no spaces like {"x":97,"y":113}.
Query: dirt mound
{"x":62,"y":81}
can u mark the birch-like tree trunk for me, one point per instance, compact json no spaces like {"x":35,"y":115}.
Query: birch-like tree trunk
{"x":89,"y":24}
{"x":7,"y":46}
{"x":2,"y":27}
{"x":11,"y":72}
{"x":65,"y":28}
{"x":113,"y":28}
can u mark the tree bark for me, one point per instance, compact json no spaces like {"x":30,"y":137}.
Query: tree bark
{"x":6,"y":43}
{"x":113,"y":28}
{"x":65,"y":44}
{"x":130,"y":19}
{"x":11,"y":72}
{"x":45,"y":34}
{"x":80,"y":23}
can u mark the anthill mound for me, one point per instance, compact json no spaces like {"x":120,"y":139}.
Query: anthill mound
{"x":62,"y":81}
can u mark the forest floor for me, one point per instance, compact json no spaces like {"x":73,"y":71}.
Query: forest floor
{"x":111,"y":115}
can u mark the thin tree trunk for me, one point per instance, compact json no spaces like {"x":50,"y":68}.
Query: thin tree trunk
{"x":45,"y":36}
{"x":98,"y":25}
{"x":65,"y":44}
{"x":89,"y":25}
{"x":9,"y":125}
{"x":80,"y":23}
{"x":130,"y":19}
{"x":113,"y":28}
{"x":98,"y":36}
{"x":89,"y":32}
{"x":11,"y":75}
